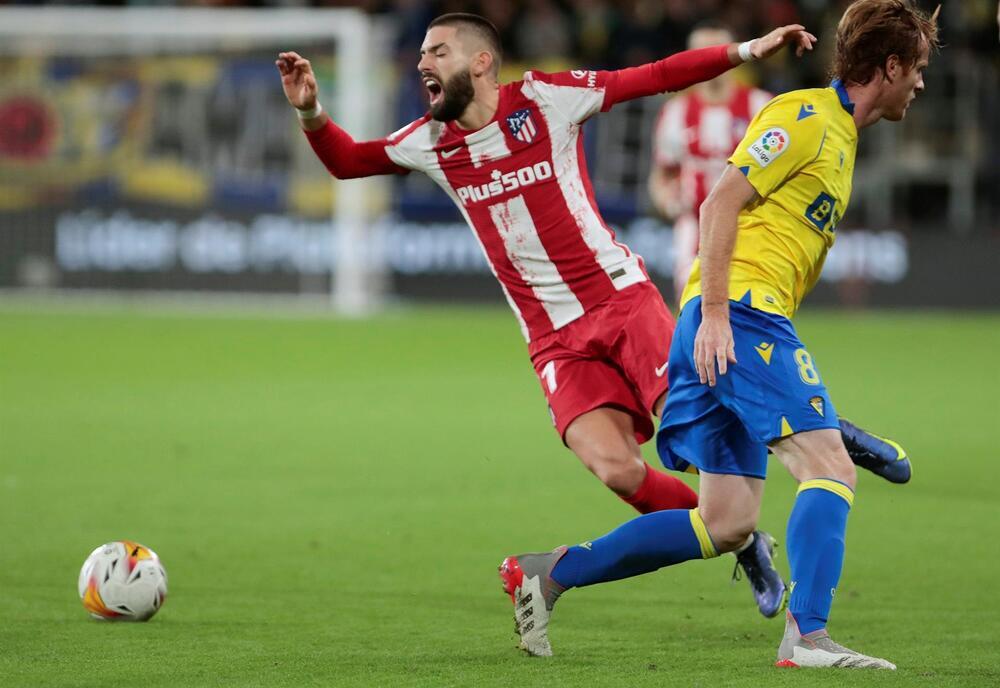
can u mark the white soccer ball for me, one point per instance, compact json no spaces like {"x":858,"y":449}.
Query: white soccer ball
{"x":123,"y":581}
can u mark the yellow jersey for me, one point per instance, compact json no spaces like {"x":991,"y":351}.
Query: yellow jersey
{"x":798,"y":153}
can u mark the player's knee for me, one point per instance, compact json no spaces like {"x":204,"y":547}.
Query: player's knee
{"x":836,"y":464}
{"x":817,"y":456}
{"x":843,"y":469}
{"x":620,"y":470}
{"x":621,"y":473}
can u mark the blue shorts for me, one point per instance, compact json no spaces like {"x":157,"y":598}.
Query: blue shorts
{"x":773,"y":391}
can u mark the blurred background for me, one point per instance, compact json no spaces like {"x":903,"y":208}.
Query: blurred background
{"x":147,"y":146}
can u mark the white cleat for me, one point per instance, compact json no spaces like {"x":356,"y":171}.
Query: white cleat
{"x":526,"y":579}
{"x":817,"y":650}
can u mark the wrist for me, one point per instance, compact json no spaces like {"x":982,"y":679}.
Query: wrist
{"x":745,"y":51}
{"x":714,"y":308}
{"x":310,"y":113}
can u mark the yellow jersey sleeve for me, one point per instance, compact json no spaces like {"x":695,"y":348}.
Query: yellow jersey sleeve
{"x":782,"y":139}
{"x":798,"y":154}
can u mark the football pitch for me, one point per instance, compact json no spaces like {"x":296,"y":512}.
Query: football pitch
{"x":331,"y":498}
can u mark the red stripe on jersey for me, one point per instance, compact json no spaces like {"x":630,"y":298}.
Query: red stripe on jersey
{"x":529,"y":201}
{"x":533,"y":313}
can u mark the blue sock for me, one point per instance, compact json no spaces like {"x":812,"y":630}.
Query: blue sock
{"x":644,"y":544}
{"x":815,"y":539}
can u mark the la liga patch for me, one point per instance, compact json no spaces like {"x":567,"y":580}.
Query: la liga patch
{"x":769,"y":146}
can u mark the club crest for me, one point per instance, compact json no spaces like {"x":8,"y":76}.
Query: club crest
{"x":521,"y":126}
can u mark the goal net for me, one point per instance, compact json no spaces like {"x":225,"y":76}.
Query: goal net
{"x":153,"y":149}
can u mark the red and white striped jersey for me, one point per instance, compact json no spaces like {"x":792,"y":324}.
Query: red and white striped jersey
{"x":699,"y":137}
{"x":521,"y":183}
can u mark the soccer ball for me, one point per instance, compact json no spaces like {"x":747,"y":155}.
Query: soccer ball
{"x":123,"y":581}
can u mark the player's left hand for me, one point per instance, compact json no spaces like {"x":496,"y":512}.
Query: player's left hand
{"x":793,"y":34}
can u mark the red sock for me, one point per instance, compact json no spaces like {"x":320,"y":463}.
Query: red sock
{"x":660,"y":492}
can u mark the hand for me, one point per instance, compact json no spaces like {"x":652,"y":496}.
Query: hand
{"x":794,"y":34}
{"x":713,"y":345}
{"x":298,"y":80}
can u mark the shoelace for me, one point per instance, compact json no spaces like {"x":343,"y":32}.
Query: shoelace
{"x":737,"y":573}
{"x":751,"y":567}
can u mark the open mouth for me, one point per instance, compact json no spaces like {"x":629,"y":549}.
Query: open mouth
{"x":434,"y":89}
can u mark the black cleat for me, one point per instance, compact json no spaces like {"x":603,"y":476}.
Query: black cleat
{"x":757,"y":562}
{"x":880,"y":456}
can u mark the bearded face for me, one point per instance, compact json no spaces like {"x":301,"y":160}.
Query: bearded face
{"x":448,"y":99}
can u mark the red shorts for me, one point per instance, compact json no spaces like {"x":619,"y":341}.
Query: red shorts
{"x":614,"y":355}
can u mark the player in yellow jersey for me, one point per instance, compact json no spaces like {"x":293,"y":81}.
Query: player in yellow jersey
{"x":741,"y":381}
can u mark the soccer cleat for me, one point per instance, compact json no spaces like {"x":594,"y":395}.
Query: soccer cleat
{"x":765,"y":581}
{"x":817,"y":650}
{"x":526,"y":579}
{"x":880,"y":456}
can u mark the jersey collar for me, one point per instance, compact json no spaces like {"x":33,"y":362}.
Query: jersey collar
{"x":845,"y":100}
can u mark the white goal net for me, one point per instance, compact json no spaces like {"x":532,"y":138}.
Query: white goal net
{"x":150,"y":148}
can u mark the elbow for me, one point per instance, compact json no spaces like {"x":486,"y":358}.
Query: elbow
{"x":719,"y":204}
{"x":340,"y":171}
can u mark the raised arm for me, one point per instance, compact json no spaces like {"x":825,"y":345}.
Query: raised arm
{"x":344,"y":157}
{"x":684,"y":69}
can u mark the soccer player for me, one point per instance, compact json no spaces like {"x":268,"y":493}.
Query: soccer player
{"x":510,"y":156}
{"x":740,"y":379}
{"x":695,"y":133}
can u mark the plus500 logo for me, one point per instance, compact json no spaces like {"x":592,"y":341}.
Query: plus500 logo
{"x":504,"y":183}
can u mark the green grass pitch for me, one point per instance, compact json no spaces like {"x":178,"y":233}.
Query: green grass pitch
{"x":331,"y":499}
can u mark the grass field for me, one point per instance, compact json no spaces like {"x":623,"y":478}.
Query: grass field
{"x":331,"y":499}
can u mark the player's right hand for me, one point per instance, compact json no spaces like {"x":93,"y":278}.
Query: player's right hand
{"x":793,"y":34}
{"x":298,"y":80}
{"x":713,"y":346}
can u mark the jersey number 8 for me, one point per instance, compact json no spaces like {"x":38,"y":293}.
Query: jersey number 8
{"x":807,"y":371}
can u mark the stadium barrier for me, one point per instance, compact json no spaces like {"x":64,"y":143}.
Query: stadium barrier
{"x":121,"y":249}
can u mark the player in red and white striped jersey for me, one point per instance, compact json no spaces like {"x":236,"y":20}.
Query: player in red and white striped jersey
{"x":511,"y":158}
{"x":694,"y":136}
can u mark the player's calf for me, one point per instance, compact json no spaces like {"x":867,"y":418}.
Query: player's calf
{"x":604,"y":440}
{"x":816,"y":454}
{"x":729,"y":518}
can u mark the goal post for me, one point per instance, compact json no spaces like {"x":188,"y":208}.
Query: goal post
{"x":354,"y":96}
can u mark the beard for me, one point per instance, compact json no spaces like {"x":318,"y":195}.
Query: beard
{"x":456,"y":96}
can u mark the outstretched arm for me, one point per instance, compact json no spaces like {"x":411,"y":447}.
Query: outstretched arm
{"x":684,"y":69}
{"x":344,"y":157}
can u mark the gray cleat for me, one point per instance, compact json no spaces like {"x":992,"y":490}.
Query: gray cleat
{"x":526,"y":579}
{"x":817,"y":650}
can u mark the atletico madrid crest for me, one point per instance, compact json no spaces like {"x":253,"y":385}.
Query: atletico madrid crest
{"x":521,"y":126}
